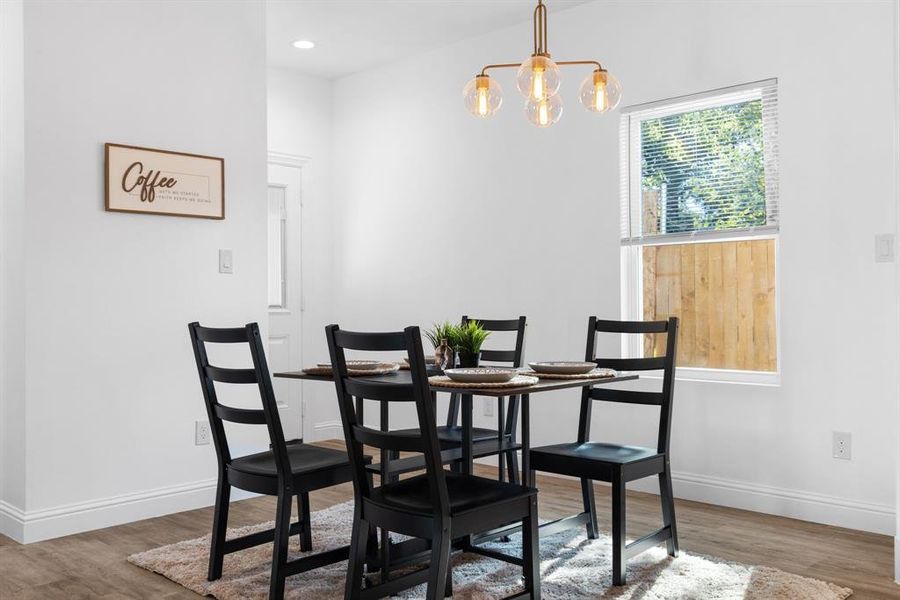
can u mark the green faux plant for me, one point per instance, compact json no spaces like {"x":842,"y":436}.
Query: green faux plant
{"x":468,"y":338}
{"x":442,"y":331}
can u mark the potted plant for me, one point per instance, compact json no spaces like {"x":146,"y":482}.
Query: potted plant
{"x":467,"y":340}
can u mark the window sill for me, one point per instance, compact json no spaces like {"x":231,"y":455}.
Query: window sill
{"x":733,"y":377}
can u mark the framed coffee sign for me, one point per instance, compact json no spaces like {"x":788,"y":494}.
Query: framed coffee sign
{"x":144,"y":180}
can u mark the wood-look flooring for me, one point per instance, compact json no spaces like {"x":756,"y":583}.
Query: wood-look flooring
{"x":93,"y":565}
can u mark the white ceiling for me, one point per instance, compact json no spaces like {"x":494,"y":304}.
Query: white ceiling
{"x":352,"y":35}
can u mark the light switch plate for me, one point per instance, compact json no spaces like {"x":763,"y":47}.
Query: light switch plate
{"x":884,"y":248}
{"x":226,"y":263}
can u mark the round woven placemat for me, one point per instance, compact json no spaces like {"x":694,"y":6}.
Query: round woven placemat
{"x":384,"y":369}
{"x":595,"y":374}
{"x":517,"y":381}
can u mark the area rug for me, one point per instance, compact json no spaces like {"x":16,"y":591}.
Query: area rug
{"x":572,"y":567}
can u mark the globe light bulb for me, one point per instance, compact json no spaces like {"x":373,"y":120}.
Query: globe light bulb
{"x":482,"y":96}
{"x":544,"y":112}
{"x":538,"y":77}
{"x":600,"y":92}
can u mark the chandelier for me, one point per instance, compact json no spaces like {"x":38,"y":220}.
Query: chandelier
{"x":538,"y":81}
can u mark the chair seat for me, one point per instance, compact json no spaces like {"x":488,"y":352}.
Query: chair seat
{"x":303,"y":457}
{"x":465,"y":492}
{"x":596,"y":452}
{"x":454,"y":434}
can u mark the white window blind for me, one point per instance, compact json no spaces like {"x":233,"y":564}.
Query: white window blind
{"x":701,"y":166}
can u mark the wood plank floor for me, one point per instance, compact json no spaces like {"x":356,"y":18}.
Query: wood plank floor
{"x":92,"y":565}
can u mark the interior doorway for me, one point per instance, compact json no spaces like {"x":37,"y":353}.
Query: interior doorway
{"x":285,"y":285}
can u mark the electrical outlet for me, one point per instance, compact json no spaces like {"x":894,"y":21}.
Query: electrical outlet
{"x":489,"y":407}
{"x":202,"y":434}
{"x":840,"y":444}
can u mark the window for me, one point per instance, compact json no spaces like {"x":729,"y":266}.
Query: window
{"x":276,"y":244}
{"x":700,"y":228}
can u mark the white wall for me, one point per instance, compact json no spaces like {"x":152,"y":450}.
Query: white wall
{"x":498,"y":219}
{"x":897,"y":199}
{"x":111,"y":389}
{"x":300,"y":123}
{"x":12,"y":243}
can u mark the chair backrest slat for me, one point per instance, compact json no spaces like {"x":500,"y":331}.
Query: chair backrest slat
{"x":370,"y":342}
{"x":379,"y":391}
{"x":632,"y":326}
{"x":386,"y":440}
{"x":348,"y":389}
{"x":231,"y":335}
{"x":497,"y":324}
{"x":627,"y":396}
{"x":246,"y":416}
{"x":499,"y":355}
{"x":654,"y":363}
{"x":665,"y":363}
{"x":218,"y":413}
{"x":223,"y":375}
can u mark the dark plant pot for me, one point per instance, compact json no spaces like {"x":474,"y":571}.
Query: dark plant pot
{"x":467,"y":360}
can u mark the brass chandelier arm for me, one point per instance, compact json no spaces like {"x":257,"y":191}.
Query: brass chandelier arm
{"x":561,"y":62}
{"x":581,"y":62}
{"x":499,"y":66}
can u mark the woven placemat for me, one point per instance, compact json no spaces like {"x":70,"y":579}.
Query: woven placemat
{"x":384,"y":369}
{"x":595,"y":374}
{"x":517,"y":381}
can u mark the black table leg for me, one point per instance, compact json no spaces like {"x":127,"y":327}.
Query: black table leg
{"x":360,"y":410}
{"x":527,"y":475}
{"x":467,"y":448}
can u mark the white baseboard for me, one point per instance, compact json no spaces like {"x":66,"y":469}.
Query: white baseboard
{"x":34,"y":526}
{"x":12,"y":521}
{"x":327,"y":430}
{"x":795,"y":504}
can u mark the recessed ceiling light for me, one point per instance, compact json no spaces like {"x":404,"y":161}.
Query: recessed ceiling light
{"x":304,"y":44}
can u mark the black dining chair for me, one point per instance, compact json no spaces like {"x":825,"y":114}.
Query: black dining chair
{"x":438,"y":506}
{"x":485,"y":441}
{"x":618,"y":464}
{"x":285,"y":470}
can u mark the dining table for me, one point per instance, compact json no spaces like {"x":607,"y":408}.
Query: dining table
{"x":466,"y":454}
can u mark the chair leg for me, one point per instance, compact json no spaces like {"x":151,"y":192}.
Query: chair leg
{"x":668,"y":509}
{"x":358,"y":542}
{"x":618,"y":529}
{"x":501,"y":458}
{"x":439,"y":566}
{"x":305,"y":522}
{"x":512,"y":460}
{"x":280,"y":550}
{"x":531,"y":567}
{"x":590,"y":507}
{"x":385,"y":555}
{"x":220,"y":526}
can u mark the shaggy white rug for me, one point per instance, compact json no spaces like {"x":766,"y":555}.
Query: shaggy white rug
{"x":572,"y":567}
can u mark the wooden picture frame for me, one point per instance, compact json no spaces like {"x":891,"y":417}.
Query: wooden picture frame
{"x":163,"y":182}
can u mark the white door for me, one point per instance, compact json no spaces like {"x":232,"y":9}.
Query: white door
{"x":285,"y":291}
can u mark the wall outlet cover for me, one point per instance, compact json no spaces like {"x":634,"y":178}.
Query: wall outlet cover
{"x":841,"y":444}
{"x":202,"y":433}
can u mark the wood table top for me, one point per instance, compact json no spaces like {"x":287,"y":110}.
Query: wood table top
{"x":403,"y":377}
